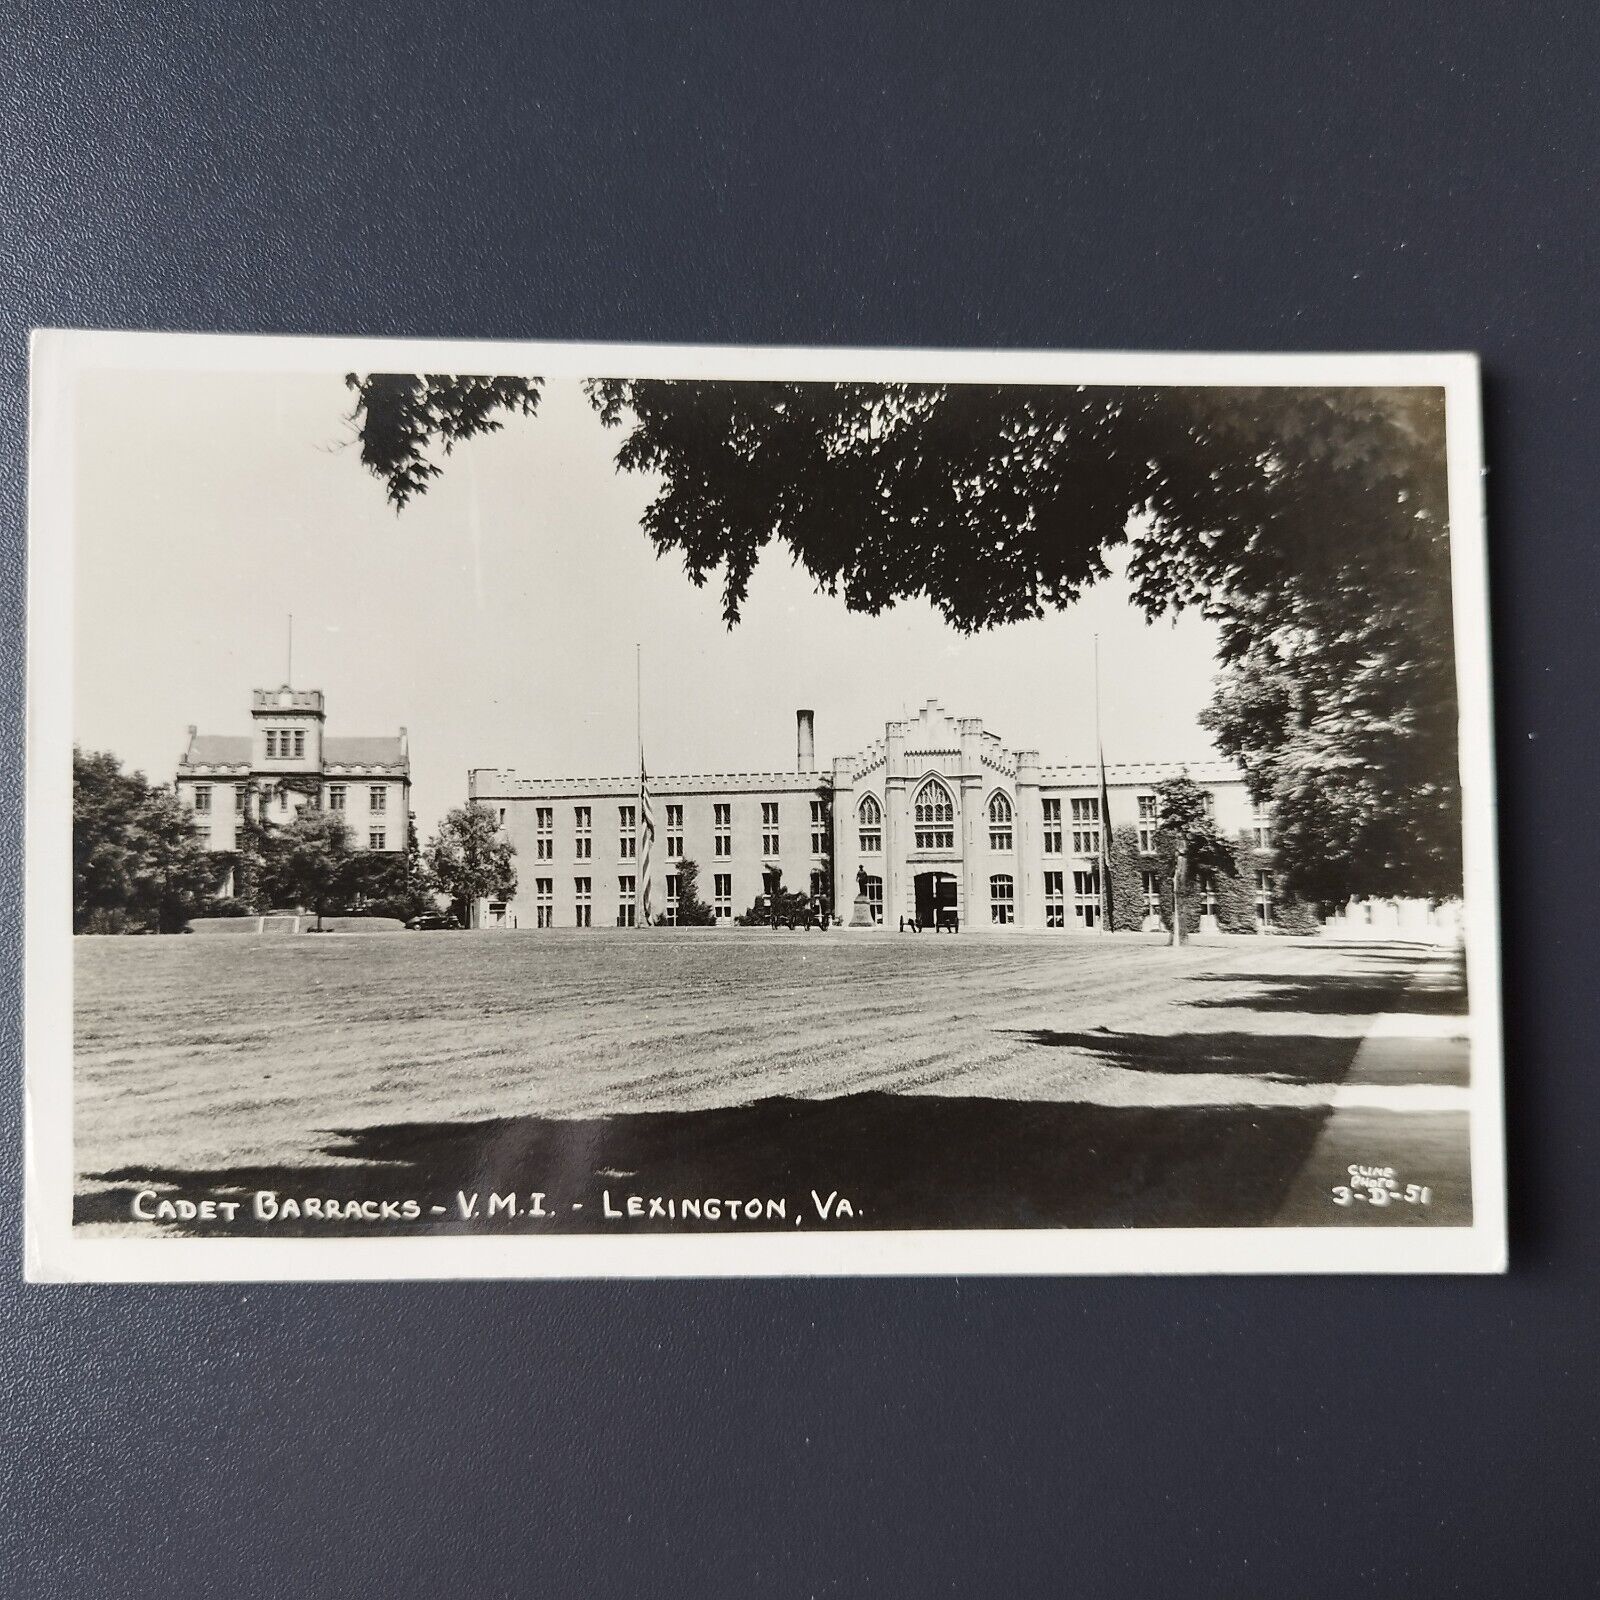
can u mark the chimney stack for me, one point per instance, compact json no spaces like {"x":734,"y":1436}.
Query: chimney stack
{"x":806,"y":742}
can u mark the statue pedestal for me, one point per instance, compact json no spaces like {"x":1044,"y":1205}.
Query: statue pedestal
{"x":861,"y":913}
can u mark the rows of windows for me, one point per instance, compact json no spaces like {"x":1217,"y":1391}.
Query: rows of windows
{"x":627,"y":830}
{"x":1086,"y":897}
{"x":377,"y":801}
{"x":933,"y":817}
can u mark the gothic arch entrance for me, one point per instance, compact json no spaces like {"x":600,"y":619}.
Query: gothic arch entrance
{"x":936,"y":899}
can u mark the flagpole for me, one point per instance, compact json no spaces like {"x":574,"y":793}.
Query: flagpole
{"x":646,"y":819}
{"x":1105,"y":802}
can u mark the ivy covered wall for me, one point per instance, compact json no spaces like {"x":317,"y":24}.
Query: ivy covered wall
{"x":1236,"y":896}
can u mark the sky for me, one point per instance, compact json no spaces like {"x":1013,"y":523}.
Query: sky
{"x":496,"y":617}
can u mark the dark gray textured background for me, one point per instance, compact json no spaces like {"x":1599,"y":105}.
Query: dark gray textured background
{"x":1341,"y":176}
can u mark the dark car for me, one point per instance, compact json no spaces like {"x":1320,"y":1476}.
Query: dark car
{"x":433,"y":921}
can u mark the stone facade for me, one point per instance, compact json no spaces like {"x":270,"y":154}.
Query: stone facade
{"x":289,"y":761}
{"x":948,"y":826}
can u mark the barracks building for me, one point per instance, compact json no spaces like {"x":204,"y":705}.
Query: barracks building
{"x":288,"y":761}
{"x":940,"y":820}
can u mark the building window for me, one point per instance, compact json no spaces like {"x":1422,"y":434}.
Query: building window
{"x":581,"y":895}
{"x":1261,"y":826}
{"x":582,"y":838}
{"x":769,"y":827}
{"x":935,"y":817}
{"x":202,"y":797}
{"x":672,"y":899}
{"x":875,"y":898}
{"x":1152,"y":894}
{"x":627,"y":899}
{"x":1055,"y":900}
{"x":336,"y":797}
{"x":1052,"y":827}
{"x":272,"y":745}
{"x":283,"y":798}
{"x":1000,"y":823}
{"x":722,"y":895}
{"x":378,"y":800}
{"x":870,"y":815}
{"x":544,"y":902}
{"x":240,"y":798}
{"x":1086,"y":898}
{"x":299,"y":744}
{"x":1265,"y":885}
{"x":1149,"y":823}
{"x":377,"y":839}
{"x":1208,"y":894}
{"x":722,"y":826}
{"x":544,"y":842}
{"x":1086,"y":826}
{"x":819,"y":827}
{"x":674,"y":832}
{"x":1002,"y":899}
{"x":627,"y":833}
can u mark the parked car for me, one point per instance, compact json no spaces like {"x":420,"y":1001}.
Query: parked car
{"x":433,"y":922}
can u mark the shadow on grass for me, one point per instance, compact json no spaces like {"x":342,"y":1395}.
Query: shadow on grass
{"x":1338,"y":994}
{"x":1270,"y":1058}
{"x":903,"y":1161}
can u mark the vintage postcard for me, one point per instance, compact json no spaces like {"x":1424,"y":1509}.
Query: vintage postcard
{"x":556,"y":810}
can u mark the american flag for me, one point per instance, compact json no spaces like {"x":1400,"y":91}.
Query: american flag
{"x":647,"y":837}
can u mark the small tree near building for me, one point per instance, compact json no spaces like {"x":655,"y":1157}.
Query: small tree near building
{"x":693,"y":912}
{"x":1189,"y":837}
{"x":313,"y":859}
{"x":470,"y":859}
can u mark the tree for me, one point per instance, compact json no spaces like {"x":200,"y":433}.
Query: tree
{"x":1190,"y":839}
{"x":693,"y":912}
{"x":138,"y":862}
{"x":1310,"y":524}
{"x":470,"y":859}
{"x":312,"y":859}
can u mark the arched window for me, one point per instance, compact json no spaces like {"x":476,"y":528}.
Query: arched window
{"x":935,"y":817}
{"x":999,"y":822}
{"x":870,"y":814}
{"x":1002,"y":899}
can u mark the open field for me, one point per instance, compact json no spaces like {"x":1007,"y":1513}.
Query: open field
{"x":976,"y":1080}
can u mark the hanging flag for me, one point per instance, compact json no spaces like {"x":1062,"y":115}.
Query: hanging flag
{"x":647,"y":837}
{"x":1105,"y":844}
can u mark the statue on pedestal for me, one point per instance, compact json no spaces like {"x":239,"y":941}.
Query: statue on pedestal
{"x":861,"y":912}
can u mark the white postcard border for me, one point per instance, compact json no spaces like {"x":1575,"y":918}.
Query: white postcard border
{"x":55,"y":1252}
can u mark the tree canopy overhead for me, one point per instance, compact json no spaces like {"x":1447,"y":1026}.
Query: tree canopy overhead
{"x":1310,"y":524}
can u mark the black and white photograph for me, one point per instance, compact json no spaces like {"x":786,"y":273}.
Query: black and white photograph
{"x":561,"y":810}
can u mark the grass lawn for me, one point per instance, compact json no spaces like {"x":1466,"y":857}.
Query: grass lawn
{"x":976,"y":1080}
